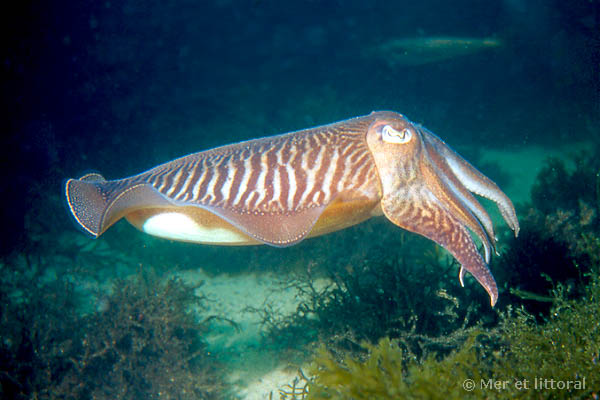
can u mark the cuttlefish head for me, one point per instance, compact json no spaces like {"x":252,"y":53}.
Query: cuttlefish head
{"x":427,"y":189}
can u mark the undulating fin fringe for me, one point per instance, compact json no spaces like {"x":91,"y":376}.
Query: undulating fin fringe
{"x":97,"y":203}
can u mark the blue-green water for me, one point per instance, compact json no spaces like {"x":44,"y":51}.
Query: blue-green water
{"x":119,"y":87}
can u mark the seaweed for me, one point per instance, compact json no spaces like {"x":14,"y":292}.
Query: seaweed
{"x":533,"y":263}
{"x":142,"y":341}
{"x":520,"y":359}
{"x":297,"y":390}
{"x":558,"y":233}
{"x":149,"y":344}
{"x":564,"y":348}
{"x":387,"y":373}
{"x":399,"y":295}
{"x":558,"y":188}
{"x":39,"y":325}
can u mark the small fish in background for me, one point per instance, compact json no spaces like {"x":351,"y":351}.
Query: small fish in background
{"x":427,"y":50}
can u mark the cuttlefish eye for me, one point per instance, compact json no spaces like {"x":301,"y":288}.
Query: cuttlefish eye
{"x":390,"y":135}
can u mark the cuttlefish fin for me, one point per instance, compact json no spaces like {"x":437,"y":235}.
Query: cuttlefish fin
{"x":96,"y":204}
{"x":279,"y":229}
{"x":423,"y":214}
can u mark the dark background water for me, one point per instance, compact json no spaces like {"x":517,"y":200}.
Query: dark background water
{"x":120,"y":86}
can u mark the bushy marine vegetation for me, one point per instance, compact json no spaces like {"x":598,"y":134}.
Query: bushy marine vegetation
{"x":564,"y":348}
{"x":558,"y":241}
{"x":403,"y":296}
{"x":141,"y":342}
{"x":557,"y":188}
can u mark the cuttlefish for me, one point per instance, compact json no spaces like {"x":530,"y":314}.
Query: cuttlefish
{"x":282,"y":189}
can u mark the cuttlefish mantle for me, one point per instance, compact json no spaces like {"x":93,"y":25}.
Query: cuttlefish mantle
{"x":282,"y":189}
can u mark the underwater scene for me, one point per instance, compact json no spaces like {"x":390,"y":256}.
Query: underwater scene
{"x":304,"y":199}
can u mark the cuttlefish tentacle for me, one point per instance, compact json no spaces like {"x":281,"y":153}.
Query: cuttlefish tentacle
{"x":447,"y":190}
{"x":425,"y":215}
{"x":478,"y":183}
{"x":465,"y":195}
{"x":280,"y":190}
{"x":417,"y":199}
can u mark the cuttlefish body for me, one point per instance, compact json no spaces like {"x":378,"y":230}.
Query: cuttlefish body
{"x":280,"y":190}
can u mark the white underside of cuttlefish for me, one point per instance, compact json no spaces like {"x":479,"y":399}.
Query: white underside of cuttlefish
{"x":179,"y":226}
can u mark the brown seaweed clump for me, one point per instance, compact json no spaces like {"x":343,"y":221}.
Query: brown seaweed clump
{"x":408,"y":294}
{"x":141,"y":342}
{"x":557,"y":359}
{"x":559,"y":238}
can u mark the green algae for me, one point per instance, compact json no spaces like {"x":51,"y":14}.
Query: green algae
{"x":520,"y":359}
{"x":388,"y":374}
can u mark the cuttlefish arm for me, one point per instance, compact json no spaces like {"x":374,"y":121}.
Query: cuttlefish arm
{"x":426,"y":189}
{"x":282,"y":189}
